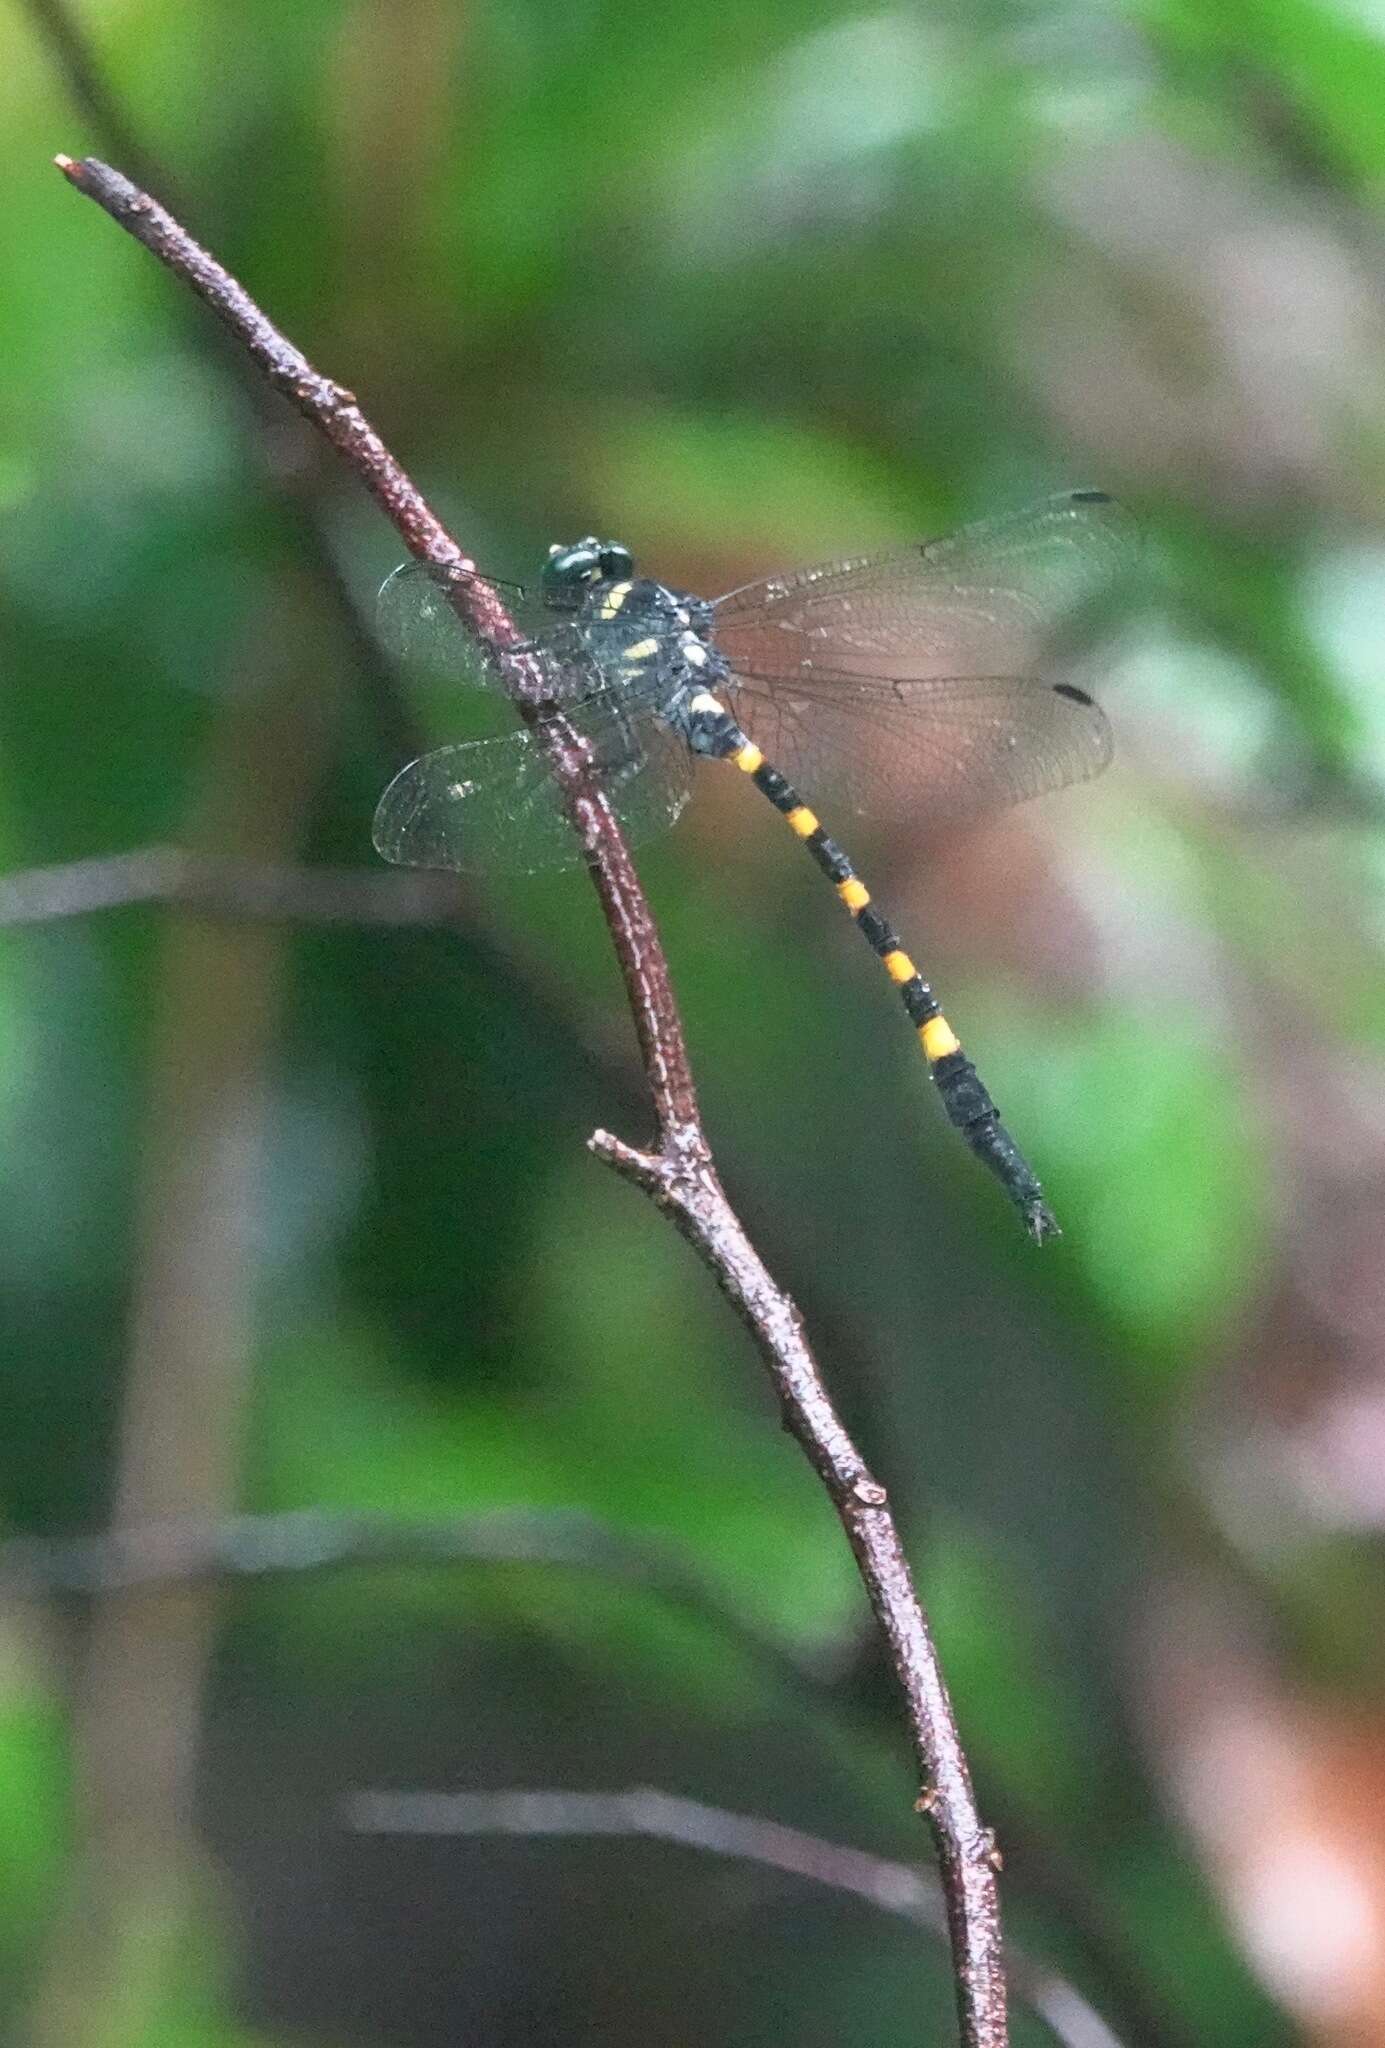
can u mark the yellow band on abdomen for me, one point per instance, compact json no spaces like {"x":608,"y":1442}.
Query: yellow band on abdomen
{"x":855,"y":895}
{"x":748,"y":758}
{"x":938,"y":1038}
{"x":898,"y":966}
{"x":802,"y":821}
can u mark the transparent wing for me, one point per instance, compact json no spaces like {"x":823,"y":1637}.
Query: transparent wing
{"x":419,"y":628}
{"x":491,"y":804}
{"x":949,"y":747}
{"x":1003,"y":597}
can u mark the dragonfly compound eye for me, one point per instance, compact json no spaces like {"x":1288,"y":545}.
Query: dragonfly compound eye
{"x":616,"y":561}
{"x":569,"y":572}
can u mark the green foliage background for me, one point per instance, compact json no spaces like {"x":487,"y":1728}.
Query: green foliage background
{"x":743,"y":287}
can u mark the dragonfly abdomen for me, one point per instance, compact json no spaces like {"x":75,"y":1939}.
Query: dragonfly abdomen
{"x":965,"y":1097}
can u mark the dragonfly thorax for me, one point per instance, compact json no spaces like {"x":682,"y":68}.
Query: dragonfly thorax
{"x":651,"y":645}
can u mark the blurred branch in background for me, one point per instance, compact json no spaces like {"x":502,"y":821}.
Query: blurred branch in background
{"x":137,"y":1875}
{"x":257,"y":1548}
{"x":289,"y":456}
{"x":182,"y":1551}
{"x":680,"y":1176}
{"x":234,"y":889}
{"x":88,"y":88}
{"x":659,"y":1816}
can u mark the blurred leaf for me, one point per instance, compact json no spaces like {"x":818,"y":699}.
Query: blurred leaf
{"x":34,"y":1799}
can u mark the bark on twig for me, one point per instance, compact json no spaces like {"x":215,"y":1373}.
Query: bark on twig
{"x":679,"y":1174}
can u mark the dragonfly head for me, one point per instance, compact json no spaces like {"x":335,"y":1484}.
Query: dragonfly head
{"x":569,"y":573}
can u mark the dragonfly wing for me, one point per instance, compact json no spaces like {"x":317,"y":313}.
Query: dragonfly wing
{"x":419,"y":628}
{"x":949,"y":748}
{"x":1003,"y":597}
{"x":487,"y":805}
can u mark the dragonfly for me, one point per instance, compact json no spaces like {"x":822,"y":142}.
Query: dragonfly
{"x":931,"y":679}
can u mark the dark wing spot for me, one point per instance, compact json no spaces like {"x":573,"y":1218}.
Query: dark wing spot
{"x":1090,"y":498}
{"x":1071,"y":690}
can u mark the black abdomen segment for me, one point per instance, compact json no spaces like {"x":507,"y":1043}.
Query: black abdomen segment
{"x":965,"y":1096}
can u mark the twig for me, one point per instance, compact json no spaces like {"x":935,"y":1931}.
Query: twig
{"x":643,"y":1810}
{"x":679,"y":1176}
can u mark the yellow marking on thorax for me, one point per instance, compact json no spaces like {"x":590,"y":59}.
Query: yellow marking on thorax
{"x":898,"y":966}
{"x":802,"y":821}
{"x":613,"y":600}
{"x":642,"y":649}
{"x":938,"y":1038}
{"x":747,"y":758}
{"x":855,"y":895}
